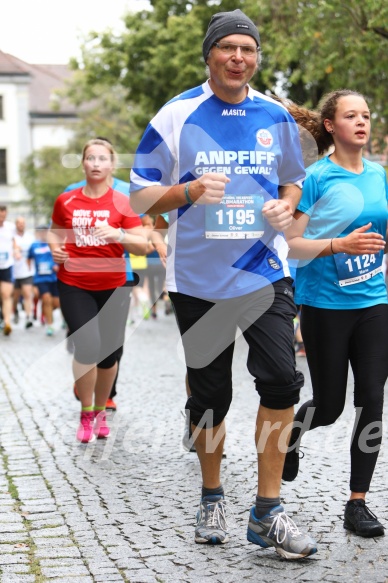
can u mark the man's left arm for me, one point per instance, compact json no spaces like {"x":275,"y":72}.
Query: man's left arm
{"x":279,"y":212}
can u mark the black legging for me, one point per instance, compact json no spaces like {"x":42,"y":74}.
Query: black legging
{"x":96,"y":321}
{"x":333,"y":339}
{"x":119,"y":354}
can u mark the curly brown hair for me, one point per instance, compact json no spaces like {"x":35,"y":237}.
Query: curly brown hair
{"x":312,"y":120}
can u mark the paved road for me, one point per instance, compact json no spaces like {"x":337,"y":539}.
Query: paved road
{"x":123,"y":509}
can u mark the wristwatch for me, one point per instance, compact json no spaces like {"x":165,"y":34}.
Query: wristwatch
{"x":122,"y":235}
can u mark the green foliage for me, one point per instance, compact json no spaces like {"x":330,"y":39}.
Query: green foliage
{"x":45,"y":177}
{"x":109,"y":115}
{"x":120,"y":81}
{"x":309,"y":48}
{"x":325,"y":45}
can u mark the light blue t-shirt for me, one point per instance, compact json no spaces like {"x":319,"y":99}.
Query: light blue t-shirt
{"x":225,"y":250}
{"x":337,"y":202}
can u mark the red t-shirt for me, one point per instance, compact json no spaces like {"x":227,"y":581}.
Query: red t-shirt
{"x":93,"y":263}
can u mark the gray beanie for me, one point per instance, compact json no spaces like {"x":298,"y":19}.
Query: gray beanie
{"x":225,"y":23}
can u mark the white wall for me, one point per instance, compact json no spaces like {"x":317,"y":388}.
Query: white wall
{"x":14,"y":128}
{"x":20,"y":134}
{"x":50,"y":133}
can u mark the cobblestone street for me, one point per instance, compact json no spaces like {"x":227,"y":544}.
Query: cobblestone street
{"x":124,"y":509}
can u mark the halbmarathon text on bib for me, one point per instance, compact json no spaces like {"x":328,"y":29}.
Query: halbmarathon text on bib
{"x":236,"y":217}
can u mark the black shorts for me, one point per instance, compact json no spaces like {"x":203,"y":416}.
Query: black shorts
{"x":208,"y":330}
{"x":48,"y":287}
{"x":6,"y":275}
{"x":23,"y":281}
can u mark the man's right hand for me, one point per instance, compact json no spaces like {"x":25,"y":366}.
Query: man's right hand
{"x":209,"y":189}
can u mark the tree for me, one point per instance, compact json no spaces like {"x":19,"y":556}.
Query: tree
{"x":153,"y":60}
{"x":309,"y":48}
{"x":109,"y":114}
{"x":46,"y":172}
{"x":120,"y":82}
{"x":45,"y":175}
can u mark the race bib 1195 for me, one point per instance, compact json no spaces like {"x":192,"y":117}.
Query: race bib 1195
{"x":236,"y":217}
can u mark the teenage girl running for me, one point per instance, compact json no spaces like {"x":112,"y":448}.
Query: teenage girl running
{"x":338,"y":235}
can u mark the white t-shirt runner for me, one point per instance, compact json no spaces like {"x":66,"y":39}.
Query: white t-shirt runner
{"x":21,"y":270}
{"x":7,"y":234}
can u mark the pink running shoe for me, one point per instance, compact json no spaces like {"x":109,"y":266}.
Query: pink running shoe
{"x":85,"y":432}
{"x":101,"y":429}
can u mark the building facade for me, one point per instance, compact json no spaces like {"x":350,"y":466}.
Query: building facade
{"x":31,"y":117}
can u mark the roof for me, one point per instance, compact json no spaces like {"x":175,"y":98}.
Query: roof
{"x":44,"y":81}
{"x":10,"y":65}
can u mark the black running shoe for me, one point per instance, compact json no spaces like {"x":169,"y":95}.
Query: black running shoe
{"x":291,"y":464}
{"x":360,"y":520}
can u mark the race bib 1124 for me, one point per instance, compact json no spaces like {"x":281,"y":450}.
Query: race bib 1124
{"x":353,"y":269}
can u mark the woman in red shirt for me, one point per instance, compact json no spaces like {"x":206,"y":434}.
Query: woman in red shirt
{"x":91,"y":227}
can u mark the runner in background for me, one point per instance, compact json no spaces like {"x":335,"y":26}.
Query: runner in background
{"x":23,"y":273}
{"x":141,"y":302}
{"x":156,"y":271}
{"x":45,"y":276}
{"x":91,"y":227}
{"x":131,"y":280}
{"x":8,"y":253}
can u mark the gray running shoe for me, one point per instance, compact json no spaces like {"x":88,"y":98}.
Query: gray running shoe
{"x":276,"y":529}
{"x":187,"y":440}
{"x":212,"y":527}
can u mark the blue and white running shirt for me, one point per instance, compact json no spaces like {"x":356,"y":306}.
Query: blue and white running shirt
{"x":224,"y":250}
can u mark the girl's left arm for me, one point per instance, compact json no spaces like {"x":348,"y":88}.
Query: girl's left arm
{"x":359,"y":241}
{"x":302,"y":248}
